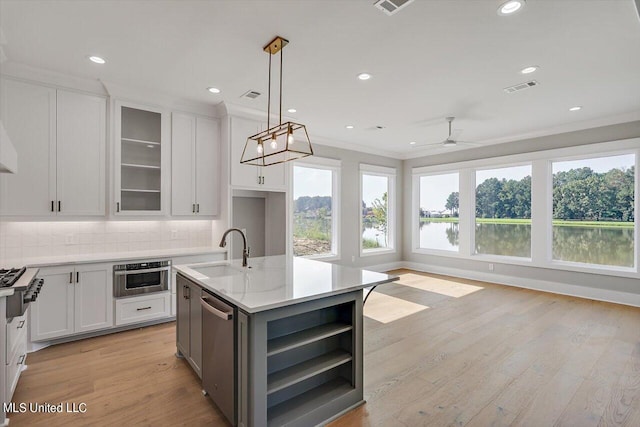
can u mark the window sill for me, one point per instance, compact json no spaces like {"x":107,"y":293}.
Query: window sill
{"x":323,"y":257}
{"x":377,"y":251}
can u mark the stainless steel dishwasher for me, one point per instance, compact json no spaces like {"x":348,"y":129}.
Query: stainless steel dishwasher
{"x":218,"y":354}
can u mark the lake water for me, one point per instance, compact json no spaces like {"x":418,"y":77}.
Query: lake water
{"x":375,"y":234}
{"x":591,"y":245}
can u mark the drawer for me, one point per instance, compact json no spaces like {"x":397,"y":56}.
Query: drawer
{"x":143,"y":308}
{"x":14,"y":368}
{"x":16,"y":333}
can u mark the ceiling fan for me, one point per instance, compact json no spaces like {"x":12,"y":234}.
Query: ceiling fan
{"x":451,"y":140}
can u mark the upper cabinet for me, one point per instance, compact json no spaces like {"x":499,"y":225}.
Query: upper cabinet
{"x":140,"y":160}
{"x":247,"y":176}
{"x":60,"y":140}
{"x":195,"y":165}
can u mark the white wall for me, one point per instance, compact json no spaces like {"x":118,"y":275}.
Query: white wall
{"x":600,"y":286}
{"x":350,"y":205}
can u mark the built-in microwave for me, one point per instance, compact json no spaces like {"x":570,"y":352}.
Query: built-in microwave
{"x":141,"y":278}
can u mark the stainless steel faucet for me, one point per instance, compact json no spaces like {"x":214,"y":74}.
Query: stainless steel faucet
{"x":245,"y":250}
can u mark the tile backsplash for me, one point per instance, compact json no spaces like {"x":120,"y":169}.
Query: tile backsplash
{"x":20,"y":240}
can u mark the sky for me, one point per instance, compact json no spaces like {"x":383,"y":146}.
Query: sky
{"x":434,"y":190}
{"x":317,"y":182}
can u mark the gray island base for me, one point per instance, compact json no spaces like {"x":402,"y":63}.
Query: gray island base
{"x":296,"y":349}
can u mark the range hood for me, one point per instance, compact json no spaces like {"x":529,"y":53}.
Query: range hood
{"x":8,"y":155}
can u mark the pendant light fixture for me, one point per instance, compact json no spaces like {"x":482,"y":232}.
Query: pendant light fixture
{"x":284,"y":142}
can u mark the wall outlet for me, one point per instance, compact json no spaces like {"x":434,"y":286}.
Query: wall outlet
{"x":68,"y":239}
{"x":490,"y":267}
{"x":174,"y":234}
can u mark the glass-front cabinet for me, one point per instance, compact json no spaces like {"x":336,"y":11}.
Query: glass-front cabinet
{"x":141,"y":154}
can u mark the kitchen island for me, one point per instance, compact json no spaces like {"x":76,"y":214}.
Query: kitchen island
{"x":296,"y":342}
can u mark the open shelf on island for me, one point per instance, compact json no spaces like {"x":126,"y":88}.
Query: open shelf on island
{"x":307,"y":369}
{"x":306,"y":336}
{"x":297,"y":407}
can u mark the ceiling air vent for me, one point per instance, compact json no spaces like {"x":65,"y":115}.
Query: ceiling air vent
{"x":521,"y":86}
{"x":252,"y":94}
{"x":391,"y":6}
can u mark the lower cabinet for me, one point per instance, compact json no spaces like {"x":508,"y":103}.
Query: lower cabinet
{"x":74,"y":299}
{"x":143,"y":308}
{"x":15,"y":352}
{"x":189,"y":318}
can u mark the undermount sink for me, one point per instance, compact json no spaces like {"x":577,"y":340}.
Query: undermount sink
{"x":218,"y":270}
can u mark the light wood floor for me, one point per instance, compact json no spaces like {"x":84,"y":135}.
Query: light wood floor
{"x":438,"y":351}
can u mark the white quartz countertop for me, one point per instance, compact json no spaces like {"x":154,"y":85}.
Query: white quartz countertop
{"x":49,"y":261}
{"x":5,"y":292}
{"x":278,"y":281}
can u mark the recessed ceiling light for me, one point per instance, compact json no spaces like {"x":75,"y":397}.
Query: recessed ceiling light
{"x":292,"y":110}
{"x":412,"y":143}
{"x":529,"y":70}
{"x":349,"y":126}
{"x":510,"y":7}
{"x":213,"y":89}
{"x":97,"y":59}
{"x":576,"y":108}
{"x":364,"y":76}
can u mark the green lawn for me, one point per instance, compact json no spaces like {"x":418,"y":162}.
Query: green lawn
{"x":563,"y":223}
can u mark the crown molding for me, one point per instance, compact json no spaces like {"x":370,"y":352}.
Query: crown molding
{"x":52,"y":78}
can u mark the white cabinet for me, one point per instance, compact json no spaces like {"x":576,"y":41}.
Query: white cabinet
{"x":141,"y":154}
{"x":72,"y":300}
{"x":142,"y":308}
{"x":248,"y":176}
{"x":60,"y":140}
{"x":195,"y":165}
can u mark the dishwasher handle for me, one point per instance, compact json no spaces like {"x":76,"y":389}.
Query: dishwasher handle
{"x":218,"y":313}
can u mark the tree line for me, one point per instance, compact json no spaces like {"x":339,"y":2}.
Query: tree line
{"x":578,"y":194}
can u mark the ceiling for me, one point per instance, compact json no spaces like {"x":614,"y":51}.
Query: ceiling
{"x":434,"y":58}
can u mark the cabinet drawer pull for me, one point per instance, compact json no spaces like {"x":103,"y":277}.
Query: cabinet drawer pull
{"x":143,"y":308}
{"x":59,"y":206}
{"x":21,"y":325}
{"x":71,"y":277}
{"x":21,"y":360}
{"x":117,"y":206}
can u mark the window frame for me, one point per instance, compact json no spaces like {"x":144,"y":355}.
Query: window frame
{"x":390,"y":173}
{"x":415,"y":217}
{"x":541,"y":205}
{"x":496,"y":257}
{"x":335,"y":167}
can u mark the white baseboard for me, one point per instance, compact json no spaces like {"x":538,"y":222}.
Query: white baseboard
{"x":597,"y":294}
{"x":385,"y":267}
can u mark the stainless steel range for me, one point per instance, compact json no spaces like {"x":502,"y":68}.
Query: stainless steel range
{"x":26,"y":287}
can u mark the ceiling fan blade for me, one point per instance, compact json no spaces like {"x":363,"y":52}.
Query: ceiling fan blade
{"x":426,"y":144}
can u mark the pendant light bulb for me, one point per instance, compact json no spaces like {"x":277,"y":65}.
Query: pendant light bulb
{"x":274,"y":143}
{"x":260,"y":148}
{"x":290,"y":139}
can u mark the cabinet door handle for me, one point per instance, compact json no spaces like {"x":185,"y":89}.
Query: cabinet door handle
{"x":198,"y":208}
{"x":52,"y":208}
{"x":21,"y":360}
{"x":71,"y":277}
{"x":117,"y":206}
{"x":77,"y":276}
{"x":59,"y":205}
{"x":193,"y":208}
{"x":263,"y":179}
{"x":143,"y":308}
{"x":21,"y":325}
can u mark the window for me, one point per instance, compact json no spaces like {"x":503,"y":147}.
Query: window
{"x":315,"y":208}
{"x":438,"y":212}
{"x":377,"y":219}
{"x":593,"y":210}
{"x":503,"y":211}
